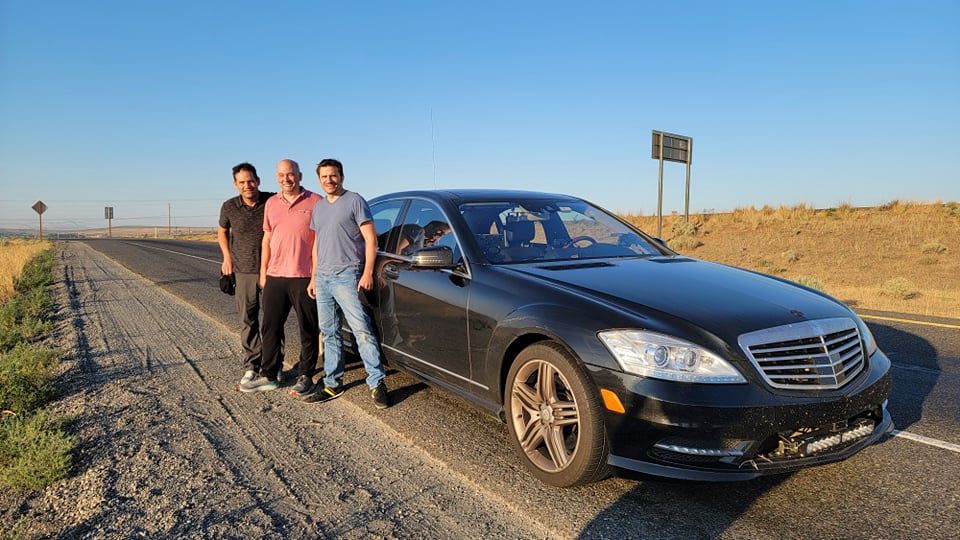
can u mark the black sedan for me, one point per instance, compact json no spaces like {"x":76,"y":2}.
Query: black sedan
{"x":602,"y":349}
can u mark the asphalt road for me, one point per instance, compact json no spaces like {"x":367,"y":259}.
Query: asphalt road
{"x":907,"y":485}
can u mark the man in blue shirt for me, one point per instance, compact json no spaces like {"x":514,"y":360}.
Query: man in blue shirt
{"x":344,"y":254}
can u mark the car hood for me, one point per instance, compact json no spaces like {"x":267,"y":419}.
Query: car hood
{"x":721,"y":299}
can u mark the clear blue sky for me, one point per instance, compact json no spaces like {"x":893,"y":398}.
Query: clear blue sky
{"x":137,"y":104}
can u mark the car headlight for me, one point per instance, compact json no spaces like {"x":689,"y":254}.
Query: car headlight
{"x":867,"y":335}
{"x":665,"y":357}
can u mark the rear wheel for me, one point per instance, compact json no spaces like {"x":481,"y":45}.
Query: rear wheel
{"x":555,"y":417}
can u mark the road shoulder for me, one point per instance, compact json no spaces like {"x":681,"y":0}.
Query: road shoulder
{"x":167,"y":447}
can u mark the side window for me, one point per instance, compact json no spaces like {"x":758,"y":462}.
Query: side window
{"x":385,"y":216}
{"x":423,"y":226}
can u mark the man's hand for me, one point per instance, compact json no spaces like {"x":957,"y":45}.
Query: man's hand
{"x":312,"y":288}
{"x":227,"y":267}
{"x":263,"y":280}
{"x":366,"y":283}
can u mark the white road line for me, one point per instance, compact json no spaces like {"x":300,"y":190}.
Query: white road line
{"x":927,"y":440}
{"x":177,"y":252}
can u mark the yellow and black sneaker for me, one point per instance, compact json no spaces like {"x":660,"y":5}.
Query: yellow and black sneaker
{"x":326,"y":394}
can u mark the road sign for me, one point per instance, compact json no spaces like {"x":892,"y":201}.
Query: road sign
{"x":40,"y":208}
{"x":675,"y":147}
{"x":671,"y":147}
{"x":108,"y":215}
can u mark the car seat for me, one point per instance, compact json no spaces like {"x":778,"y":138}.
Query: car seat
{"x":518,"y":234}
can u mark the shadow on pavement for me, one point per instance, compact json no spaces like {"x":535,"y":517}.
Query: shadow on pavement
{"x":658,"y":508}
{"x":916,"y":370}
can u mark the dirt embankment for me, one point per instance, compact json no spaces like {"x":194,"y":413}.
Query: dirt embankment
{"x":168,"y":448}
{"x":898,"y":257}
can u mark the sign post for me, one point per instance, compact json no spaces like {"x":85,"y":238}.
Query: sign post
{"x":108,"y":215}
{"x":40,"y":208}
{"x":671,"y":147}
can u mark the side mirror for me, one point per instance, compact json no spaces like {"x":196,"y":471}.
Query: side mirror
{"x":661,"y":242}
{"x":432,"y":257}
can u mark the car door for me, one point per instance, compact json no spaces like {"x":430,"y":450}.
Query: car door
{"x":424,"y":311}
{"x":386,"y":215}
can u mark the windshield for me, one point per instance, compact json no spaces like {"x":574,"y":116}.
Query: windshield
{"x":535,"y":230}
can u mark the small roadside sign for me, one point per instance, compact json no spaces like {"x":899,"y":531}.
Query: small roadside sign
{"x":108,"y":215}
{"x":40,"y":208}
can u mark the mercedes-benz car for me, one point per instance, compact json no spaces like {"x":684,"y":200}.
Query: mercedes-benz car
{"x":602,"y":349}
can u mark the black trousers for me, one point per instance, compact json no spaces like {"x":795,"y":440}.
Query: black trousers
{"x":279,"y":295}
{"x":248,"y":305}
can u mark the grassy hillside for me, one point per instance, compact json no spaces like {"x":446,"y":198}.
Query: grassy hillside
{"x":897,"y":257}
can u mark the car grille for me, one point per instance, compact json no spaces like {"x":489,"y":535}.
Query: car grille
{"x":811,"y":355}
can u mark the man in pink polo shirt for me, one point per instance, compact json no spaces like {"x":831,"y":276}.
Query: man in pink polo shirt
{"x":285,"y":268}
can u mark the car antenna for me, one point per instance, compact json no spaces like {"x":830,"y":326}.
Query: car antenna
{"x":433,"y":149}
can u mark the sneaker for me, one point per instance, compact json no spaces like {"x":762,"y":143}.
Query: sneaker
{"x":303,"y":386}
{"x":323,"y":395}
{"x":380,"y":396}
{"x":248,"y":376}
{"x":259,"y":384}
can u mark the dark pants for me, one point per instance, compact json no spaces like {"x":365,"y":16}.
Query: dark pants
{"x":279,"y":295}
{"x":248,"y":306}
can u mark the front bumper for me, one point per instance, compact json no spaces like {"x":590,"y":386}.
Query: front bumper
{"x":739,"y":432}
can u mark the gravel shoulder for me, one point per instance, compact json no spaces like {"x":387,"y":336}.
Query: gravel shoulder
{"x":167,"y":447}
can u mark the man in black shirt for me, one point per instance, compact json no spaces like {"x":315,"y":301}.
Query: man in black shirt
{"x":240,"y":235}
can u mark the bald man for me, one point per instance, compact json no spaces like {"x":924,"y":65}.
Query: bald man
{"x":285,"y":270}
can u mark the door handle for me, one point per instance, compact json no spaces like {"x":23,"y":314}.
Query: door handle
{"x":391,"y":272}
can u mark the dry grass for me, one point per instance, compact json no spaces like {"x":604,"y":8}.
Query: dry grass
{"x":13,"y":255}
{"x":897,"y":257}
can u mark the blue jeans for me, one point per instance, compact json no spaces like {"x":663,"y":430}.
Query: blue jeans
{"x":341,"y":290}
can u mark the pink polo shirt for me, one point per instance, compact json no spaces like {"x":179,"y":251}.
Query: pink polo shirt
{"x":292,"y":242}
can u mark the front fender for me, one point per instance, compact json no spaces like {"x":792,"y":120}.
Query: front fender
{"x":536,"y":322}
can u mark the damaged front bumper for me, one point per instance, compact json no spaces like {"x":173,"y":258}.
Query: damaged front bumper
{"x":740,"y":432}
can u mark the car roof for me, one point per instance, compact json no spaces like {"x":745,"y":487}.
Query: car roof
{"x":466,"y":195}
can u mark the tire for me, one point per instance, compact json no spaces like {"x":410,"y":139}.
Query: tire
{"x":569,"y":447}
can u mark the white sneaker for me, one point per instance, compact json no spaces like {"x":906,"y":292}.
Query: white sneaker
{"x":248,"y":376}
{"x":259,"y":384}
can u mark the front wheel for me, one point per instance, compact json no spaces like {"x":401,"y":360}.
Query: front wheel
{"x":555,"y":417}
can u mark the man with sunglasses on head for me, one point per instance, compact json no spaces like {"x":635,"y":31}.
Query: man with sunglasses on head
{"x":240,"y":235}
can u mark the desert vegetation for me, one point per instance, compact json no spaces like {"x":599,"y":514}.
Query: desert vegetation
{"x":14,"y":254}
{"x":899,"y":256}
{"x":34,"y":449}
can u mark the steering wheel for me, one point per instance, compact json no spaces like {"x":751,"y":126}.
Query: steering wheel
{"x":575,"y":239}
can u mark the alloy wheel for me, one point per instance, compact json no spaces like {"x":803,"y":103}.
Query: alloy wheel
{"x":546,"y":419}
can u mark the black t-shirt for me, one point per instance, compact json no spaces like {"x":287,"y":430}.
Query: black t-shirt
{"x":244,"y":225}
